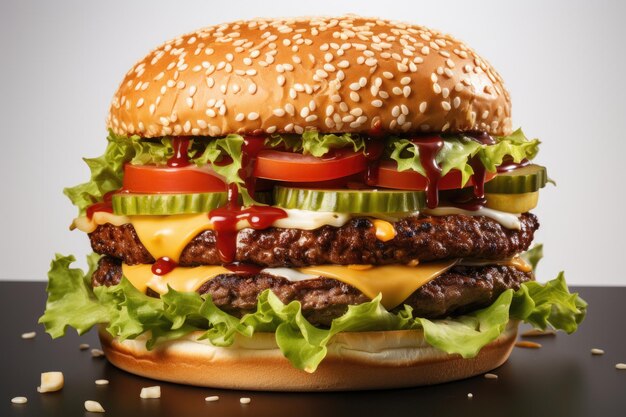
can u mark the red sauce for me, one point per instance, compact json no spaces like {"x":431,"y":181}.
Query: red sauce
{"x":250,"y":149}
{"x":104,"y":205}
{"x":181,"y":148}
{"x":373,"y":152}
{"x":225,"y":218}
{"x":163,"y":266}
{"x":428,"y":149}
{"x":240,"y":268}
{"x":478,"y":178}
{"x":509,"y":165}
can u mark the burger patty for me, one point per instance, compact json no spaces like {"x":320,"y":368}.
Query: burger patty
{"x":424,"y":238}
{"x":459,"y":290}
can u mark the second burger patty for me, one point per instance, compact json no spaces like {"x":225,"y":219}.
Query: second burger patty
{"x":424,"y":238}
{"x":457,"y":291}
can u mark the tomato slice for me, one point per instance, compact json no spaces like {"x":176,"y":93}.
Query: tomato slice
{"x":152,"y":179}
{"x":293,"y":167}
{"x":390,"y":177}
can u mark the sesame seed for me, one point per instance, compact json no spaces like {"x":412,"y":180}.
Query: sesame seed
{"x":422,"y":107}
{"x":354,"y":96}
{"x":281,"y":80}
{"x":596,"y":351}
{"x":355,"y":87}
{"x":31,"y":335}
{"x":620,"y":366}
{"x":343,"y":64}
{"x":397,"y":91}
{"x":405,"y":80}
{"x":377,"y":103}
{"x":395,"y":112}
{"x":244,"y":400}
{"x":388,"y":75}
{"x":491,"y":376}
{"x":456,"y":102}
{"x":83,"y":346}
{"x":470,"y":395}
{"x":102,"y":382}
{"x":406,"y":91}
{"x":253,"y":116}
{"x":19,"y":400}
{"x":239,"y":117}
{"x":212,"y":398}
{"x":362,"y":81}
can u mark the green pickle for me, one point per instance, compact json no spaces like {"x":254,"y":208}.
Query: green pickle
{"x":166,"y":204}
{"x":523,"y":180}
{"x":349,"y":201}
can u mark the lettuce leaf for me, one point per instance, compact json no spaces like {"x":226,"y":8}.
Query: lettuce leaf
{"x":128,"y":313}
{"x":533,"y":255}
{"x":216,"y":152}
{"x":315,"y":143}
{"x":458,"y":150}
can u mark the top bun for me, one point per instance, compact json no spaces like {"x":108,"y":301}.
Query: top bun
{"x":330,"y":74}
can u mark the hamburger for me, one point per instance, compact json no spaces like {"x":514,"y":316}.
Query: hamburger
{"x":317,"y":203}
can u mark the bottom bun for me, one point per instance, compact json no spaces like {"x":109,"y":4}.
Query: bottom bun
{"x":355,"y":361}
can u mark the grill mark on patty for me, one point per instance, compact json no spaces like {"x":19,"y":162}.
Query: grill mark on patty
{"x":424,"y":238}
{"x":459,"y":290}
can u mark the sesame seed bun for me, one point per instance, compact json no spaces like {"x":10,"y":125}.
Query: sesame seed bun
{"x":355,"y":361}
{"x":330,"y":74}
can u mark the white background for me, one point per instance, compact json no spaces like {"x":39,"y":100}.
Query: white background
{"x":563,"y":62}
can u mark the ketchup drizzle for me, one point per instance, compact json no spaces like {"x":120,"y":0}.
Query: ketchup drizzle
{"x":181,"y":148}
{"x":241,"y":268}
{"x":163,"y":266}
{"x":428,"y":149}
{"x":225,"y":218}
{"x":104,"y":205}
{"x":373,"y":152}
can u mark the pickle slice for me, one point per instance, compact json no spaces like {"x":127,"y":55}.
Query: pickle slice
{"x":349,"y":201}
{"x":527,"y":179}
{"x":165,"y":204}
{"x":512,"y":203}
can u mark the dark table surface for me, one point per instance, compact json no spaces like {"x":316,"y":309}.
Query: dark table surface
{"x":560,"y":379}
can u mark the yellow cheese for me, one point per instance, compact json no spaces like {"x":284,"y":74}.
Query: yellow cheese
{"x":168,"y":235}
{"x":384,"y":230}
{"x":521,"y":264}
{"x":394,"y":282}
{"x":180,"y":279}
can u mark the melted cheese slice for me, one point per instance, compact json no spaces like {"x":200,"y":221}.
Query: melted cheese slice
{"x":180,"y":279}
{"x":394,"y":282}
{"x":168,"y":235}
